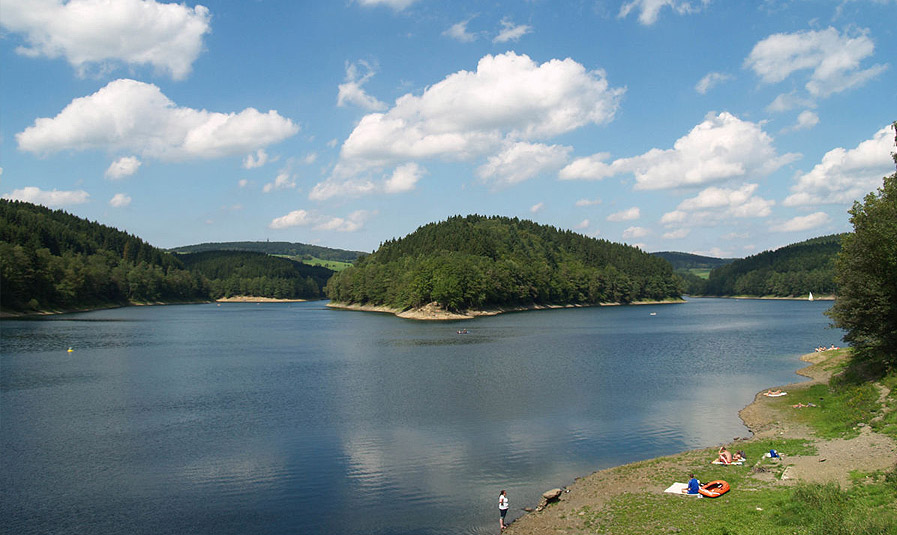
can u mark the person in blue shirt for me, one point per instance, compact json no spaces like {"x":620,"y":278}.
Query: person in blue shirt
{"x":693,"y":486}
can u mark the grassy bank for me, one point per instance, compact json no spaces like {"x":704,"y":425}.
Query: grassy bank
{"x":837,"y":474}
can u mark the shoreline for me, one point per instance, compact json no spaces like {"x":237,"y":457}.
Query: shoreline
{"x":6,"y":315}
{"x":253,"y":299}
{"x":765,"y":298}
{"x":433,"y":312}
{"x":835,"y":460}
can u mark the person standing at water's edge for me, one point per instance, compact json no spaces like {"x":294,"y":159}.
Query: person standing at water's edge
{"x":502,"y":508}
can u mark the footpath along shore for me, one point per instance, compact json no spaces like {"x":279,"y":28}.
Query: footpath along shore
{"x":589,"y":504}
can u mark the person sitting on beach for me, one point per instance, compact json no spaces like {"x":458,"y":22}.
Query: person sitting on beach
{"x":725,"y":456}
{"x":693,"y":486}
{"x":739,"y":456}
{"x":772,"y":393}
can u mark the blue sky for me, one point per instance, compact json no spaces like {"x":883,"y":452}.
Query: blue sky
{"x":704,"y":126}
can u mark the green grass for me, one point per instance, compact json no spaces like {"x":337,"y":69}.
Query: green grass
{"x":752,"y":507}
{"x":703,"y":273}
{"x":838,"y":410}
{"x":757,"y":503}
{"x":335,"y":265}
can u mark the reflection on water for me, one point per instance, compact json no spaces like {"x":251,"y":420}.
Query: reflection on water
{"x":294,"y":418}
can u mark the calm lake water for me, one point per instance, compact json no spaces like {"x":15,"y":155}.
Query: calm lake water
{"x":292,"y":418}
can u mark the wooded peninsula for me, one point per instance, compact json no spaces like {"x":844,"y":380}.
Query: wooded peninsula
{"x":477,"y":262}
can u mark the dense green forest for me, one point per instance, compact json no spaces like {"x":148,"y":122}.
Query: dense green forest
{"x":689,"y":261}
{"x":232,"y":273}
{"x":298,"y":250}
{"x":477,"y":261}
{"x":791,"y":271}
{"x":50,"y":260}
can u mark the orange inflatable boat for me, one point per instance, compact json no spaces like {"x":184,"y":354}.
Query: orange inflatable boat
{"x":714,"y":489}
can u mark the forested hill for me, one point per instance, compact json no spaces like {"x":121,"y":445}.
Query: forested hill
{"x":300,"y":250}
{"x":791,"y":271}
{"x":52,"y":260}
{"x":688,"y":261}
{"x":233,"y":273}
{"x":476,"y":261}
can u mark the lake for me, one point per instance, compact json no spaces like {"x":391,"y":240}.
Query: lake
{"x":293,"y":418}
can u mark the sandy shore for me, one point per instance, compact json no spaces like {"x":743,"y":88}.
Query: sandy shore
{"x":834,"y":461}
{"x":253,"y":299}
{"x":434,"y":312}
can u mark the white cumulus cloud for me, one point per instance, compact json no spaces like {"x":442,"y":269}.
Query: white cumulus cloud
{"x":789,"y":101}
{"x":397,"y":5}
{"x":536,"y":208}
{"x":120,"y":200}
{"x":806,"y":222}
{"x":507,"y":99}
{"x":302,"y":218}
{"x":832,"y":59}
{"x":102,"y":33}
{"x":626,"y":215}
{"x":715,"y":204}
{"x":296,"y":218}
{"x":283,"y":180}
{"x":511,"y":32}
{"x":845,"y":175}
{"x":677,"y":234}
{"x":582,"y":225}
{"x":404,"y":178}
{"x":127,"y":115}
{"x":720,"y":148}
{"x":51,"y":199}
{"x":252,"y":161}
{"x":588,"y":202}
{"x":650,"y":9}
{"x":122,"y":167}
{"x":635,"y":232}
{"x":522,"y":161}
{"x":354,"y":222}
{"x":352,"y":90}
{"x":711,"y":80}
{"x":458,"y":32}
{"x":806,"y":120}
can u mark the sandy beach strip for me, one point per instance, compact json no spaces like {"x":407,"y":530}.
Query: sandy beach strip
{"x":254,"y":299}
{"x":434,"y":312}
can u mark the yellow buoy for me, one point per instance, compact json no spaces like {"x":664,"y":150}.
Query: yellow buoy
{"x":70,"y":350}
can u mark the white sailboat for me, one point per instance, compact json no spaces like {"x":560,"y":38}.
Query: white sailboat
{"x":811,"y":297}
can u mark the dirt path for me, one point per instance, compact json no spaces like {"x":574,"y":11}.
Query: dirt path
{"x":835,"y":460}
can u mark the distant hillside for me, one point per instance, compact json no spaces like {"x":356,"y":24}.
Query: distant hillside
{"x":299,"y":251}
{"x":233,"y":273}
{"x":52,"y":260}
{"x":476,"y":261}
{"x":692,"y":269}
{"x":692,"y":261}
{"x":791,"y":271}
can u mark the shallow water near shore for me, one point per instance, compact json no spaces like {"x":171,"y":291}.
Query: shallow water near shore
{"x":293,"y":418}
